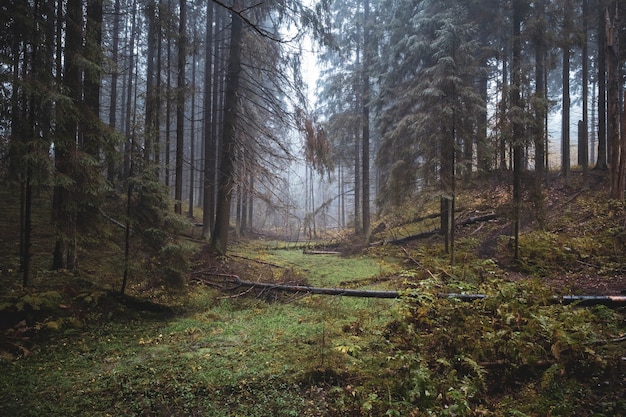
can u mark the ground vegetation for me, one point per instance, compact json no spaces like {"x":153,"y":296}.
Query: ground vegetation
{"x":71,"y":344}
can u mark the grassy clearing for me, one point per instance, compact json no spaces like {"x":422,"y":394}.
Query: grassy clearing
{"x":333,"y":270}
{"x":222,"y":356}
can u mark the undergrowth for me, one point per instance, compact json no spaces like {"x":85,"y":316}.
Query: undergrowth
{"x":71,"y":346}
{"x":513,"y":353}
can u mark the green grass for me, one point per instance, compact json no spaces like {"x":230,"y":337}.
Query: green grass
{"x":332,"y":270}
{"x":223,"y":356}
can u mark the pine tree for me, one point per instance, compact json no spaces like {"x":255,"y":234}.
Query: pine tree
{"x":219,"y":238}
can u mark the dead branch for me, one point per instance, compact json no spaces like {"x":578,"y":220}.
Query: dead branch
{"x":607,"y":341}
{"x":466,"y":222}
{"x":477,"y":219}
{"x":320,"y":252}
{"x":507,"y":364}
{"x":417,"y":263}
{"x":112,"y":220}
{"x":318,"y":290}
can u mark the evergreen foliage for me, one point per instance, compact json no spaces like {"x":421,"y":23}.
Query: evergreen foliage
{"x":159,"y":229}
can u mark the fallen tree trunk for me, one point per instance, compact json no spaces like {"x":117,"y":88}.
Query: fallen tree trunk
{"x":580,"y":300}
{"x":345,"y":292}
{"x":320,"y":252}
{"x":477,"y":219}
{"x":465,"y":222}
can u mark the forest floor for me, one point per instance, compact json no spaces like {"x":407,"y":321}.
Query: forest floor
{"x":70,"y":346}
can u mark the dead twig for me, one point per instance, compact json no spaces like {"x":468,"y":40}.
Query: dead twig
{"x":241,"y":294}
{"x":607,"y":341}
{"x":417,"y":263}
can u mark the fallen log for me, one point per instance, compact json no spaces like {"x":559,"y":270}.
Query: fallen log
{"x":613,"y":301}
{"x":477,"y":219}
{"x":345,"y":292}
{"x":320,"y":252}
{"x":465,"y":222}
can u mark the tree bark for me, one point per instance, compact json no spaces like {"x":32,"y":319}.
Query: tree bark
{"x":208,"y":178}
{"x":365,"y":159}
{"x":613,"y":76}
{"x":111,"y":168}
{"x":565,"y":113}
{"x":219,"y":240}
{"x":180,"y":108}
{"x":483,"y":149}
{"x":602,"y":133}
{"x":151,"y":127}
{"x":517,"y":128}
{"x":540,"y":91}
{"x":168,"y":104}
{"x":504,"y":108}
{"x":128,"y":110}
{"x":583,"y":134}
{"x":192,"y":145}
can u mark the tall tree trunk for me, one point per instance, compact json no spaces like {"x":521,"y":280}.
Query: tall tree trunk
{"x":127,"y":233}
{"x":34,"y":131}
{"x":192,"y":138}
{"x":365,"y":159}
{"x":250,"y":203}
{"x":565,"y":113}
{"x":592,"y":138}
{"x":243,"y":227}
{"x":111,"y":168}
{"x":516,"y":82}
{"x":504,"y":143}
{"x":159,"y":89}
{"x":540,"y":91}
{"x":313,"y":225}
{"x":613,"y":113}
{"x":238,"y":209}
{"x":151,"y":127}
{"x":447,"y":181}
{"x":565,"y":119}
{"x":217,"y":112}
{"x":168,"y":105}
{"x":602,"y":74}
{"x":483,"y":157}
{"x":208,"y":177}
{"x":357,"y":185}
{"x":128,"y":125}
{"x":64,"y":204}
{"x":180,"y":107}
{"x":219,"y":239}
{"x":620,"y":174}
{"x":28,"y":105}
{"x":92,"y":78}
{"x":358,"y":223}
{"x":583,"y":134}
